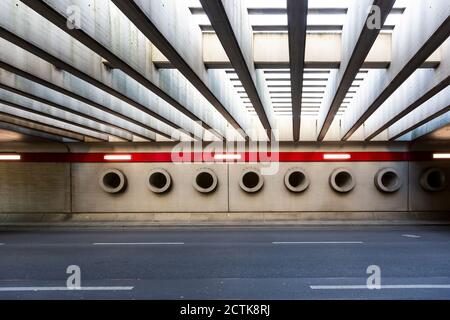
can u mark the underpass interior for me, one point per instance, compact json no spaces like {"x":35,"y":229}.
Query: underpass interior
{"x":286,"y":144}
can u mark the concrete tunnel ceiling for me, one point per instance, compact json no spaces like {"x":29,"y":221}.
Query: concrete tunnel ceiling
{"x":211,"y":70}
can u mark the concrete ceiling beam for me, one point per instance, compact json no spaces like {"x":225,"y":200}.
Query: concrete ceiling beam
{"x":424,"y":26}
{"x":33,"y":132}
{"x":423,"y":119}
{"x":58,"y":88}
{"x":323,"y":50}
{"x":26,"y":104}
{"x":181,"y":44}
{"x":232,"y":26}
{"x":112,"y":44}
{"x":297,"y":12}
{"x":34,"y":117}
{"x":355,"y":49}
{"x":421,"y":86}
{"x":27,"y":123}
{"x":114,"y":130}
{"x":73,"y":57}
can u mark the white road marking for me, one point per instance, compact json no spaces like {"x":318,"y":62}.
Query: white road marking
{"x":138,"y":243}
{"x":2,"y":244}
{"x":393,"y":286}
{"x":411,"y":236}
{"x":12,"y":289}
{"x":320,"y":242}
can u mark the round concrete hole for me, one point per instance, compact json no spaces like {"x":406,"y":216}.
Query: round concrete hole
{"x":342,"y":180}
{"x":159,"y":181}
{"x":296,"y":180}
{"x":112,"y":181}
{"x":388,"y":180}
{"x":205,"y":181}
{"x":251,"y":181}
{"x":433,"y":180}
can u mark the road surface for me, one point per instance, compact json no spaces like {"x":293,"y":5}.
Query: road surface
{"x":226,"y":263}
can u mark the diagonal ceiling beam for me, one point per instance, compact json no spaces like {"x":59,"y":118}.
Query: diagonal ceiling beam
{"x":68,"y":93}
{"x":230,"y":33}
{"x":116,"y":131}
{"x":153,"y":25}
{"x":423,"y":28}
{"x":73,"y":57}
{"x":27,"y":46}
{"x":48,"y":11}
{"x":68,"y":68}
{"x":38,"y":108}
{"x":30,"y":115}
{"x":33,"y":132}
{"x":430,"y":125}
{"x":426,"y":113}
{"x":355,"y":48}
{"x":421,"y":86}
{"x":297,"y":11}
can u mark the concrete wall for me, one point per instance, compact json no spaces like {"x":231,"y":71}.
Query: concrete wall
{"x":36,"y":188}
{"x":45,"y":187}
{"x":274,"y":196}
{"x":420,"y":200}
{"x":182,"y":197}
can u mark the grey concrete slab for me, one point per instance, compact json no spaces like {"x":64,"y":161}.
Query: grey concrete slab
{"x":36,"y":187}
{"x":12,"y":99}
{"x":37,"y":126}
{"x":184,"y":50}
{"x":355,"y":48}
{"x":232,"y":26}
{"x":430,"y":110}
{"x":73,"y":57}
{"x":48,"y":121}
{"x":33,"y":133}
{"x":297,"y":12}
{"x":424,"y":27}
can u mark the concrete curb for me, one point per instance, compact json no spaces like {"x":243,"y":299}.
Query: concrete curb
{"x":273,"y":224}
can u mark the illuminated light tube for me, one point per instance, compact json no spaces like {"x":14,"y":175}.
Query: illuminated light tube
{"x":336,"y":156}
{"x":441,"y":155}
{"x":10,"y":157}
{"x":230,"y":156}
{"x":117,"y":157}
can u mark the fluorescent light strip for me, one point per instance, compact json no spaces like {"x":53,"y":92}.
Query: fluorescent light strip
{"x":10,"y":157}
{"x":441,"y":155}
{"x":117,"y":157}
{"x":227,"y":156}
{"x":341,"y":156}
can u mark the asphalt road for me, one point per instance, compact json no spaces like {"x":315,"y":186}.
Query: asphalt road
{"x":233,"y":263}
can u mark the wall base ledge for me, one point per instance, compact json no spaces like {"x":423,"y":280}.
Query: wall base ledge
{"x":222,"y":219}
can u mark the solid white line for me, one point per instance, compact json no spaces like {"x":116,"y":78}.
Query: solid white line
{"x":411,"y":236}
{"x":2,"y":244}
{"x":11,"y":289}
{"x":321,"y":242}
{"x":138,"y":243}
{"x":393,"y":286}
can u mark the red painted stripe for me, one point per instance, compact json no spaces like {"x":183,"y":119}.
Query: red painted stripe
{"x":245,"y":157}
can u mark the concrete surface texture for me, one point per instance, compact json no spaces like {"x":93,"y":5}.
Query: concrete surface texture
{"x":75,"y":188}
{"x":240,"y":263}
{"x":45,"y":192}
